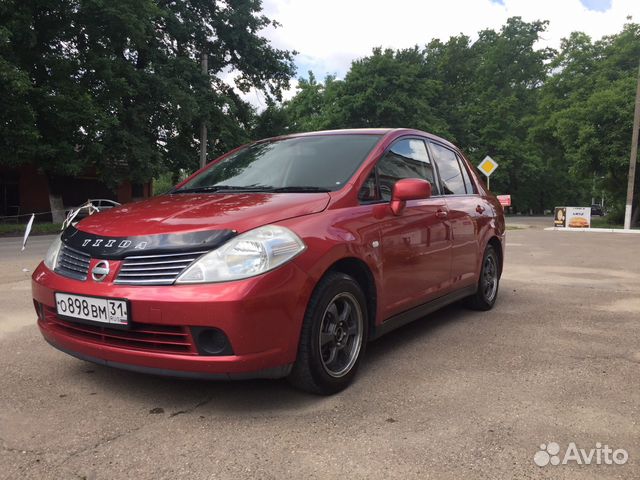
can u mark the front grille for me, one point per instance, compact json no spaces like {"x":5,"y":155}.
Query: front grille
{"x":154,"y":269}
{"x":147,"y":337}
{"x":72,"y":263}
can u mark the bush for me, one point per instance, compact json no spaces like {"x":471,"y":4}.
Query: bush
{"x":615,"y":214}
{"x":162,"y":184}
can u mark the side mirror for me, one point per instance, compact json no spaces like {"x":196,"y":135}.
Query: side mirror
{"x":408,"y":189}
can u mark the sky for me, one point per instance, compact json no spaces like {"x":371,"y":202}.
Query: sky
{"x":329,"y":34}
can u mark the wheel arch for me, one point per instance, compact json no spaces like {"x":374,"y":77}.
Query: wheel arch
{"x":360,"y":271}
{"x":497,"y":245}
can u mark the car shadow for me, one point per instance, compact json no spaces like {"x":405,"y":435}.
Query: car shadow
{"x":383,"y":348}
{"x":175,"y":396}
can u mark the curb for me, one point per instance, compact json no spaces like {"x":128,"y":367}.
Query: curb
{"x":595,"y":230}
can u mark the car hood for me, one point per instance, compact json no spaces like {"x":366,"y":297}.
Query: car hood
{"x":192,"y":212}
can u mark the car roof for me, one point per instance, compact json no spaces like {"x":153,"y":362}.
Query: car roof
{"x":364,"y":131}
{"x":102,"y":200}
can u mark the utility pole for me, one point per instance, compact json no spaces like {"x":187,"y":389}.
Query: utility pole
{"x":203,"y":125}
{"x":632,"y":160}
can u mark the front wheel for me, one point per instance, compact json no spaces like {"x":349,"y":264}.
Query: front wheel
{"x":333,"y":337}
{"x":487,"y":292}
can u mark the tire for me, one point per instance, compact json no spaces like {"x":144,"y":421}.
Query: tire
{"x":333,"y":337}
{"x":485,"y":297}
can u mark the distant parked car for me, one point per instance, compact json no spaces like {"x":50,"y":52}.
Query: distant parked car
{"x":100,"y":203}
{"x":597,"y":210}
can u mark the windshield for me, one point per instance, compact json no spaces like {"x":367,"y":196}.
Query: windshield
{"x":299,"y":164}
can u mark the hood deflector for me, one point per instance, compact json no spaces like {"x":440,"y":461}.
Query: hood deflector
{"x":117,"y":248}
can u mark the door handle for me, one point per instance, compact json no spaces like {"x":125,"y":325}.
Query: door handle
{"x":441,"y":213}
{"x":480,"y":209}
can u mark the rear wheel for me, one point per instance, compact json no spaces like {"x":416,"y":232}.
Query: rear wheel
{"x":333,"y":337}
{"x":487,"y":292}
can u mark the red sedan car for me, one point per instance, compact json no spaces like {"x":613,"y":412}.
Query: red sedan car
{"x":282,"y":258}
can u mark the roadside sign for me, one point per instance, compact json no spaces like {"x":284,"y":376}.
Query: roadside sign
{"x":560,"y":217}
{"x":572,"y":217}
{"x":488,"y":165}
{"x":505,"y":200}
{"x":578,"y":217}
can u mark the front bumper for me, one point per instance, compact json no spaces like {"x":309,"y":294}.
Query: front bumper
{"x":261,"y":318}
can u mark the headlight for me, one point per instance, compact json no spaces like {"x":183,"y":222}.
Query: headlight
{"x":249,"y":254}
{"x":51,"y":257}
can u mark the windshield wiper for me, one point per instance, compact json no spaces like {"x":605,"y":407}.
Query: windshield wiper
{"x":299,"y":189}
{"x":252,"y":189}
{"x":222,"y":189}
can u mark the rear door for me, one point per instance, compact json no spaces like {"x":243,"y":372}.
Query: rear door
{"x":462,"y":201}
{"x":415,"y":245}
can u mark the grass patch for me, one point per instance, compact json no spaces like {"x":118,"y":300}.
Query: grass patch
{"x":17,"y":229}
{"x":603,"y":222}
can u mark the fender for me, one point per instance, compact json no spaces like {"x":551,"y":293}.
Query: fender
{"x":335,"y":244}
{"x":496,"y":228}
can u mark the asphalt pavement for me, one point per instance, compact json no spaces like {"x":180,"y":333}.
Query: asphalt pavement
{"x":459,"y":394}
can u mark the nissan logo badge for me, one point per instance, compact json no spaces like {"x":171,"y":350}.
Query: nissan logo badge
{"x":100,"y":271}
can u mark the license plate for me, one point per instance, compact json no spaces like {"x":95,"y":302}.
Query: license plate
{"x":94,"y":309}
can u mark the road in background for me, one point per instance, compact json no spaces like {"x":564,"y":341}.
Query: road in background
{"x":518,"y":221}
{"x":16,"y":308}
{"x":460,"y":394}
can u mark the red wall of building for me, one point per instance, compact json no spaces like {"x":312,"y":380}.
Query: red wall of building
{"x":34,"y":190}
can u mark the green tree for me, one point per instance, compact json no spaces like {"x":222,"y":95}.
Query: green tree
{"x":271,"y":122}
{"x":307,"y":110}
{"x":454,"y":64}
{"x":482,"y":95}
{"x":116,"y":86}
{"x":389,"y":89}
{"x":588,"y":104}
{"x":41,"y":85}
{"x":509,"y":74}
{"x":311,"y":109}
{"x":18,"y":132}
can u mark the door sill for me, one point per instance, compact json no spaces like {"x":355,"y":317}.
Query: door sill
{"x":420,"y":311}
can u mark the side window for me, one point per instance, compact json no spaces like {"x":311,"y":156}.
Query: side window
{"x":405,"y":159}
{"x":369,"y":190}
{"x":468,"y":183}
{"x":449,"y":168}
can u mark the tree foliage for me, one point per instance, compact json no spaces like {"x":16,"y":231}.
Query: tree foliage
{"x":549,"y":118}
{"x":117,"y":86}
{"x":588,"y":107}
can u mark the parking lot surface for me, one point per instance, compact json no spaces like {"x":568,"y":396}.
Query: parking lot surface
{"x":459,"y":394}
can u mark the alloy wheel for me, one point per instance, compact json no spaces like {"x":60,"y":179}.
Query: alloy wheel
{"x":340,"y":337}
{"x":489,"y":278}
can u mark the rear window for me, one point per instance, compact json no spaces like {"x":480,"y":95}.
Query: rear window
{"x":320,"y":161}
{"x":449,"y":168}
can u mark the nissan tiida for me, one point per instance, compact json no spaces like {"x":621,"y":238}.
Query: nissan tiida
{"x":282,"y":258}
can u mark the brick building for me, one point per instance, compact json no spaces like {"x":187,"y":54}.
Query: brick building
{"x":24,"y":190}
